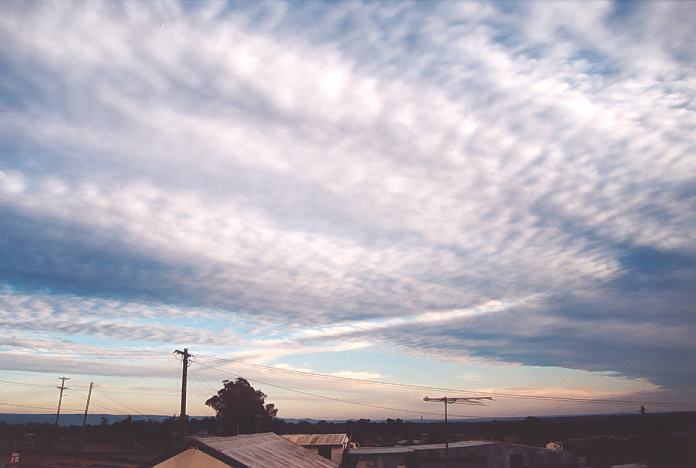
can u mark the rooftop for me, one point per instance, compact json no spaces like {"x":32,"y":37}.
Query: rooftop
{"x":379,"y":450}
{"x":317,"y":439}
{"x":262,"y":450}
{"x":415,"y":448}
{"x":460,"y":444}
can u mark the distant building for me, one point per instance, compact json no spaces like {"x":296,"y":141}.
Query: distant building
{"x":329,"y":446}
{"x":555,"y":446}
{"x":265,"y":450}
{"x":379,"y":457}
{"x":466,"y":454}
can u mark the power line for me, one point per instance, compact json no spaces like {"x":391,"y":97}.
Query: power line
{"x":108,"y":407}
{"x":35,"y":407}
{"x":86,"y":387}
{"x":97,"y":390}
{"x":68,"y":353}
{"x":28,"y":384}
{"x":111,"y":392}
{"x":340,"y":400}
{"x":132,"y":410}
{"x":476,"y":392}
{"x":126,"y":392}
{"x":128,"y":409}
{"x":200,"y":388}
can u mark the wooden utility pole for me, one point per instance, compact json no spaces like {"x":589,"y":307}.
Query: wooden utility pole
{"x":448,"y":401}
{"x":184,"y":373}
{"x":84,"y":418}
{"x":60,"y":398}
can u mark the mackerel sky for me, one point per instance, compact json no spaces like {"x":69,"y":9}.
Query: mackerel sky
{"x":487,"y":196}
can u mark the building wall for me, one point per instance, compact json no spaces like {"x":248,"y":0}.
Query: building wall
{"x":337,"y":454}
{"x":537,"y":457}
{"x":192,"y":458}
{"x":497,"y":455}
{"x":383,"y":461}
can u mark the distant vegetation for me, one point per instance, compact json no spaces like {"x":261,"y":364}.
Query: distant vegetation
{"x":532,"y":430}
{"x":666,"y":438}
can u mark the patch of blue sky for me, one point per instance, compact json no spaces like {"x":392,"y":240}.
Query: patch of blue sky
{"x":380,"y":359}
{"x":596,"y":62}
{"x":107,"y":344}
{"x":622,"y":9}
{"x":23,"y":155}
{"x":30,"y":86}
{"x":475,"y":374}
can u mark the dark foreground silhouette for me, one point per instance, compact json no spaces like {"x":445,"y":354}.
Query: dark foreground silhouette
{"x":658,"y":439}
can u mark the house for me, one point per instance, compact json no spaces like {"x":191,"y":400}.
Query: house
{"x":555,"y":446}
{"x":469,"y":454}
{"x":267,"y":450}
{"x":329,"y":446}
{"x":379,"y":457}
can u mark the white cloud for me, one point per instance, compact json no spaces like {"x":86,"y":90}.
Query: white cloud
{"x":377,"y":167}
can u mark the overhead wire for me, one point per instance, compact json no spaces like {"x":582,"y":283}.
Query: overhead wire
{"x":199,"y":387}
{"x":36,"y":407}
{"x":339,"y":400}
{"x":28,"y":384}
{"x":81,"y":389}
{"x":202,"y":389}
{"x":96,"y":402}
{"x":123,"y":405}
{"x":476,"y":392}
{"x":39,"y":391}
{"x":111,"y":392}
{"x":68,"y":353}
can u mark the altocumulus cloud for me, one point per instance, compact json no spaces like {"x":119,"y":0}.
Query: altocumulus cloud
{"x":357,"y":164}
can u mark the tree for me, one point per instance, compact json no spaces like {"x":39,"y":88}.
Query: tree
{"x":241,"y":409}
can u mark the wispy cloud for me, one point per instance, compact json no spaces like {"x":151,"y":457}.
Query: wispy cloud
{"x":375,"y":168}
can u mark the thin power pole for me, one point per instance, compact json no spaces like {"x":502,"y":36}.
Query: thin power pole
{"x":448,"y":401}
{"x":84,"y":418}
{"x":446,"y":435}
{"x":184,"y":374}
{"x":60,"y":398}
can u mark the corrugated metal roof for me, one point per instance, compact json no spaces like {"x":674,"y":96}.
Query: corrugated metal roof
{"x":415,"y":448}
{"x":379,"y":450}
{"x":264,"y":450}
{"x":317,"y":439}
{"x":460,"y":444}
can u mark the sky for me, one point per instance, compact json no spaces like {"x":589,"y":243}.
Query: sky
{"x":486,"y":197}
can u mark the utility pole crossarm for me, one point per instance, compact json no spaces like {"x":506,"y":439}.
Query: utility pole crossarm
{"x":62,"y":388}
{"x":462,"y":400}
{"x":448,"y":401}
